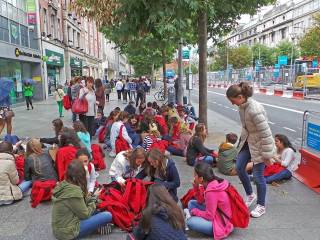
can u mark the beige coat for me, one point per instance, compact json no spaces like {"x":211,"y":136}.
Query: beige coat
{"x":59,"y":94}
{"x":256,"y":131}
{"x":8,"y":179}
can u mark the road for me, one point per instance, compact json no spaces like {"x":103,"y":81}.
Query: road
{"x":285,"y":115}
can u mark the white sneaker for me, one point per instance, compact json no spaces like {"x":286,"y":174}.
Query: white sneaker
{"x":258,"y":211}
{"x":187,"y":213}
{"x":250,"y":199}
{"x":112,"y":154}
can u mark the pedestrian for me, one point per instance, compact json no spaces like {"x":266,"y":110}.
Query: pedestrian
{"x":256,"y":144}
{"x":28,"y":94}
{"x":148,"y":85}
{"x":206,"y":214}
{"x":75,"y":90}
{"x":140,"y":92}
{"x":126,"y":91}
{"x":132,"y":88}
{"x":74,"y":210}
{"x":162,"y":218}
{"x":57,"y":126}
{"x":107,"y":90}
{"x":6,"y":114}
{"x":119,"y":87}
{"x":69,"y":92}
{"x":164,"y":171}
{"x":130,"y":108}
{"x":83,"y":135}
{"x":286,"y":158}
{"x":59,"y":94}
{"x":100,"y":95}
{"x":88,"y":118}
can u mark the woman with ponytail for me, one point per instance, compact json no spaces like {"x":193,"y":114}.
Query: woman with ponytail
{"x":256,"y":144}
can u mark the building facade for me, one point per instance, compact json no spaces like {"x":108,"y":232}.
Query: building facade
{"x":283,"y":22}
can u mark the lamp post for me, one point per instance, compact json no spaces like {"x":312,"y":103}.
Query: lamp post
{"x":293,"y":36}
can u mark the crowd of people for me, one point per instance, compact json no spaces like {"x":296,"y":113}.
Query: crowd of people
{"x":142,"y":139}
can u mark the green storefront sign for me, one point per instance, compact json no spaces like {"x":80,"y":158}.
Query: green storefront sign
{"x":54,"y":58}
{"x":75,"y":63}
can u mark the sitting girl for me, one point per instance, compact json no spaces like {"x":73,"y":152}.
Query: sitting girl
{"x":206,"y":217}
{"x":111,"y":119}
{"x":286,"y":158}
{"x":128,"y":164}
{"x":196,"y":151}
{"x":162,"y":218}
{"x":38,"y":164}
{"x":83,"y":135}
{"x":91,"y":175}
{"x":164,"y":171}
{"x":73,"y":211}
{"x":57,"y":126}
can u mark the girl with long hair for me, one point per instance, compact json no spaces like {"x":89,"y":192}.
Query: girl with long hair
{"x":196,"y":151}
{"x":57,"y":126}
{"x":286,"y":157}
{"x":162,"y":218}
{"x":256,"y":144}
{"x":163,"y":170}
{"x":128,"y":164}
{"x":101,"y":98}
{"x":38,"y":163}
{"x":110,"y":120}
{"x":206,"y":216}
{"x":73,"y":211}
{"x":83,"y":135}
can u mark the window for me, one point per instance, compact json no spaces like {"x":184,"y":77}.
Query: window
{"x":4,"y":29}
{"x":272,"y":35}
{"x":3,"y":8}
{"x":283,"y":33}
{"x":9,"y":11}
{"x":58,"y":29}
{"x":284,"y":17}
{"x":33,"y":39}
{"x":52,"y":25}
{"x":24,"y":36}
{"x":78,"y":39}
{"x":14,"y":32}
{"x":45,"y":21}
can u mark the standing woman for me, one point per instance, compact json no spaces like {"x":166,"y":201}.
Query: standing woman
{"x":28,"y":94}
{"x":107,"y":90}
{"x":256,"y":144}
{"x":6,"y":114}
{"x":59,"y":94}
{"x":101,"y":99}
{"x":88,"y":118}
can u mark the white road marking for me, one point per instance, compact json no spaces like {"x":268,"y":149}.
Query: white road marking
{"x":289,"y":129}
{"x":272,"y":123}
{"x":226,"y":107}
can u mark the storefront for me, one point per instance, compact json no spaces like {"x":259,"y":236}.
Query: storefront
{"x":55,"y":63}
{"x":76,"y":66}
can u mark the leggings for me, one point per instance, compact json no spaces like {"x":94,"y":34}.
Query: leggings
{"x":60,"y":108}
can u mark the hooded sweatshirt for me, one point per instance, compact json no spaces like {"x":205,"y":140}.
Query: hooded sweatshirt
{"x":216,"y":197}
{"x":226,"y":156}
{"x":69,"y":207}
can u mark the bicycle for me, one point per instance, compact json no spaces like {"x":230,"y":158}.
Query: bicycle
{"x":159,"y":95}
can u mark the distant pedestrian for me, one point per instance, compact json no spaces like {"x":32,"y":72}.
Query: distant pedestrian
{"x":101,"y":98}
{"x":6,"y":114}
{"x":130,"y":108}
{"x":107,"y":90}
{"x":126,"y":91}
{"x":28,"y":94}
{"x":119,"y":87}
{"x":59,"y":94}
{"x":132,"y":89}
{"x":140,"y":92}
{"x":75,"y":90}
{"x":256,"y":144}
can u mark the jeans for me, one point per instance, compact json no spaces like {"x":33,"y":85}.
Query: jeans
{"x":207,"y":159}
{"x":119,"y":94}
{"x":136,"y":139}
{"x":243,"y":159}
{"x":175,"y":151}
{"x":199,"y":224}
{"x":141,"y":97}
{"x":284,"y":174}
{"x":60,"y":107}
{"x":93,"y":223}
{"x":25,"y":186}
{"x":74,"y":117}
{"x":132,"y":95}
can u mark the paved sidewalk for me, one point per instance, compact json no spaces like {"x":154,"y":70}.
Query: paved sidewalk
{"x":293,"y":211}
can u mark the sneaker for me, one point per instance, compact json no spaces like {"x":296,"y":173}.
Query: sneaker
{"x":250,"y":199}
{"x":187,"y":213}
{"x":112,"y":154}
{"x":258,"y":211}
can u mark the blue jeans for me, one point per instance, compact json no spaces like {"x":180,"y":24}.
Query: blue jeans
{"x":207,"y":159}
{"x":74,"y":117}
{"x":284,"y":174}
{"x":25,"y":186}
{"x":93,"y":223}
{"x":175,"y":151}
{"x":136,"y":139}
{"x":199,"y":224}
{"x":243,"y":159}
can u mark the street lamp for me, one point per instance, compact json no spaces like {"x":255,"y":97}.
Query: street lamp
{"x":293,"y":36}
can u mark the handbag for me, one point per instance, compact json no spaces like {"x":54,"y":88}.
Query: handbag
{"x":80,"y":105}
{"x":121,"y":143}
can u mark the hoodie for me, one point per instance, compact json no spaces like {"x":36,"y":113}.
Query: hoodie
{"x":216,"y":197}
{"x":69,"y":208}
{"x":226,"y":157}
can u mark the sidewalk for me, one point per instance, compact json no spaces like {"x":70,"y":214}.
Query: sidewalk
{"x":293,"y":211}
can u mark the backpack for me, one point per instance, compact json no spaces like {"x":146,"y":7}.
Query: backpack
{"x":66,"y":102}
{"x":121,"y":143}
{"x":20,"y":166}
{"x":102,"y":134}
{"x":41,"y":191}
{"x":162,"y":145}
{"x":187,"y":197}
{"x":98,"y":157}
{"x":240,"y":213}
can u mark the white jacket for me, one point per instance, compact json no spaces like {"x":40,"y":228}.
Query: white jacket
{"x":115,"y":130}
{"x":119,"y":85}
{"x":289,"y":159}
{"x":91,"y":177}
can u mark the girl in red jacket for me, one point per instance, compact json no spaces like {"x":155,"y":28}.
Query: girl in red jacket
{"x":206,"y":217}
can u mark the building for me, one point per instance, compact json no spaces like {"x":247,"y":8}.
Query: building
{"x":20,"y":57}
{"x":283,"y":22}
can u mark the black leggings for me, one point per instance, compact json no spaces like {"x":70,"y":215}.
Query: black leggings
{"x":107,"y":97}
{"x":29,"y":101}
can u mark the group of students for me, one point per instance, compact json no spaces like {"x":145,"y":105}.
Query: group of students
{"x":152,"y":134}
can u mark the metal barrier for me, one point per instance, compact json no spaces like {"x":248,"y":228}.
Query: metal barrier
{"x":309,"y":169}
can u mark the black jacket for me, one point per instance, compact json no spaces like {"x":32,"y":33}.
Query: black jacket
{"x":195,"y":148}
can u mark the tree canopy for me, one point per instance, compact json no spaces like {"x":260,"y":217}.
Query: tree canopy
{"x":309,"y":43}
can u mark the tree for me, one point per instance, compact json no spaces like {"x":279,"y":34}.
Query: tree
{"x":264,"y":53}
{"x":309,"y":43}
{"x":286,"y":48}
{"x":240,"y":57}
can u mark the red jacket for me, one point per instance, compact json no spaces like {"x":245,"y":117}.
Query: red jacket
{"x":163,"y":128}
{"x":64,"y":156}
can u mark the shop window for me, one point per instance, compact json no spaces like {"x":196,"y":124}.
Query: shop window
{"x":14,"y":33}
{"x":33,"y":39}
{"x":4,"y":29}
{"x":24,"y":36}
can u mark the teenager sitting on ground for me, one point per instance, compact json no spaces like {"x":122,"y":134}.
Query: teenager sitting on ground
{"x":99,"y":121}
{"x":156,"y":107}
{"x":38,"y":164}
{"x":164,"y":171}
{"x":206,"y":217}
{"x":83,"y":135}
{"x":9,"y":178}
{"x":196,"y":150}
{"x":130,"y":108}
{"x":149,"y":110}
{"x":111,"y":119}
{"x":128,"y":164}
{"x":136,"y":139}
{"x":286,"y":158}
{"x":115,"y":131}
{"x":57,"y":126}
{"x":162,"y":218}
{"x":91,"y":175}
{"x":73,"y":211}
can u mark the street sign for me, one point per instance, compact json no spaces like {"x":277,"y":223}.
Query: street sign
{"x":283,"y":60}
{"x":315,"y":63}
{"x":313,"y":136}
{"x":186,"y":54}
{"x":189,"y":82}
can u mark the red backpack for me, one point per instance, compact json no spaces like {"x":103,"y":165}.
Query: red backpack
{"x":41,"y":191}
{"x":66,"y":102}
{"x":98,"y":157}
{"x":162,"y":145}
{"x":102,"y":134}
{"x":121,"y":143}
{"x":240,"y":213}
{"x":20,"y":167}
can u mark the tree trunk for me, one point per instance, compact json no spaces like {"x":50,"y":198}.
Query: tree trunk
{"x":180,"y":74}
{"x":164,"y":73}
{"x":202,"y":42}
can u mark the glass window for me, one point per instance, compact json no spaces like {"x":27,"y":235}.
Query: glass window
{"x":33,"y":39}
{"x":9,"y":11}
{"x":14,"y":3}
{"x":24,"y":36}
{"x":4,"y":29}
{"x":15,"y":14}
{"x":3,"y":8}
{"x":14,"y":32}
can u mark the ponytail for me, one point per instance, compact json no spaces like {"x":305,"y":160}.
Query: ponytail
{"x":242,"y":88}
{"x":204,"y":170}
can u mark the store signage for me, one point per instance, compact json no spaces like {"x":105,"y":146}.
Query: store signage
{"x":18,"y":52}
{"x":75,"y":62}
{"x":54,"y":58}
